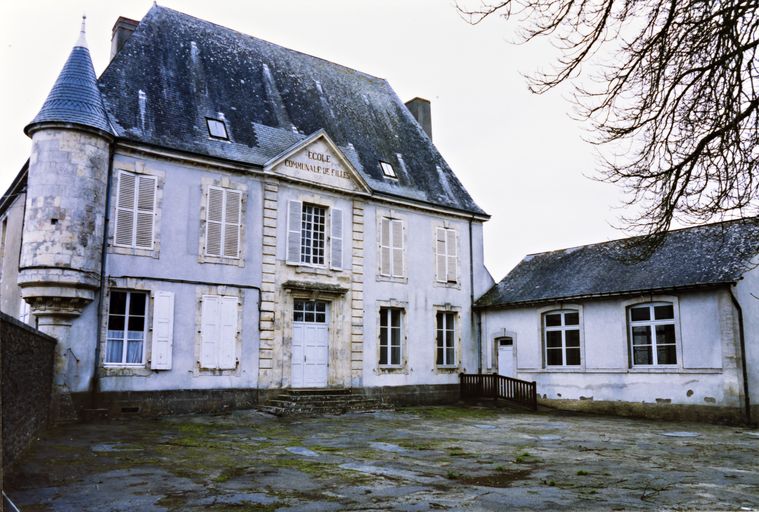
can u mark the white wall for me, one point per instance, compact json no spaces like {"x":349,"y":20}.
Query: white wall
{"x":747,"y":293}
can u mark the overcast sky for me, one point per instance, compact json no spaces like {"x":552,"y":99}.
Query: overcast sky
{"x":519,"y":155}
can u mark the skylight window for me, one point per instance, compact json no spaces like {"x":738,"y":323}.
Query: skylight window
{"x":388,"y":170}
{"x":217,"y":129}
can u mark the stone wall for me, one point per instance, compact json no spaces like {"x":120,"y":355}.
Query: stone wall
{"x":26,"y":358}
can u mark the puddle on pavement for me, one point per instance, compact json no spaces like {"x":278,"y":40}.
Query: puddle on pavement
{"x":499,"y":479}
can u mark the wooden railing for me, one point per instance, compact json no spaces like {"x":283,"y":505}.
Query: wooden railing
{"x":491,"y":385}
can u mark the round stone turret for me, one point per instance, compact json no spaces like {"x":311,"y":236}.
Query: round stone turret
{"x":59,"y":271}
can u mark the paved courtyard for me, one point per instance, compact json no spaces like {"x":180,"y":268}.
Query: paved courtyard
{"x":457,"y":458}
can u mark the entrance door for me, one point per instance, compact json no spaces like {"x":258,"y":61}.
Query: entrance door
{"x":506,"y":356}
{"x":310,"y":345}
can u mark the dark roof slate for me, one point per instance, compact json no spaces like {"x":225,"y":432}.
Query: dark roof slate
{"x":700,"y":256}
{"x":176,"y":70}
{"x":75,"y":98}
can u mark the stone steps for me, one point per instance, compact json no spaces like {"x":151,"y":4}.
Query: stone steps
{"x":320,"y":401}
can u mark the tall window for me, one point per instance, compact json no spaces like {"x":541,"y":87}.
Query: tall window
{"x":391,"y":332}
{"x":562,"y":338}
{"x":391,"y":247}
{"x":446,"y":336}
{"x":312,"y":234}
{"x":652,"y":334}
{"x":223,"y":221}
{"x":126,"y":328}
{"x":446,"y":255}
{"x":135,"y":210}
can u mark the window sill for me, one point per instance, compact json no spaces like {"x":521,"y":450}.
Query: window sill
{"x":456,"y":285}
{"x":134,"y":251}
{"x":391,"y":369}
{"x":392,"y":279}
{"x":235,"y":262}
{"x":447,"y":369}
{"x":113,"y":370}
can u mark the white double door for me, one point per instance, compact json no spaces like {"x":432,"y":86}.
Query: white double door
{"x":310,"y":345}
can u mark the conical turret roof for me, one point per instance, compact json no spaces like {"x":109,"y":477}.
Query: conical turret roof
{"x":75,"y":97}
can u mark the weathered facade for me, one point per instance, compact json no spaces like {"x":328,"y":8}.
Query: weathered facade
{"x":242,"y":219}
{"x":670,"y":336}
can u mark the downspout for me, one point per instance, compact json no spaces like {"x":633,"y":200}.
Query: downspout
{"x":744,"y":364}
{"x":475,"y":322}
{"x":95,"y":380}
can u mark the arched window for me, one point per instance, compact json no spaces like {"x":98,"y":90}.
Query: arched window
{"x":561,"y":337}
{"x":652,"y":334}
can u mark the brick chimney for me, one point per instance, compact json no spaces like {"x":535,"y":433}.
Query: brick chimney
{"x":420,"y":109}
{"x":122,"y":30}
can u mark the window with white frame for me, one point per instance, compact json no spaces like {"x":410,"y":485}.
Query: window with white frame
{"x":223,"y":222}
{"x":306,"y":235}
{"x":561,"y":331}
{"x":391,"y":334}
{"x":127,"y":322}
{"x":391,"y":254}
{"x":387,"y":170}
{"x":218,"y":332}
{"x":652,"y":334}
{"x":217,"y":129}
{"x":445,"y":337}
{"x":25,"y":312}
{"x":446,"y":255}
{"x":135,"y":210}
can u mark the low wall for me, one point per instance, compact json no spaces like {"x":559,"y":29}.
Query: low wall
{"x":26,"y":378}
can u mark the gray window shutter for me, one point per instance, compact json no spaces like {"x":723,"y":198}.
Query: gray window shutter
{"x":214,"y":221}
{"x":440,"y":255}
{"x":163,"y":330}
{"x":123,"y":232}
{"x":145,"y":212}
{"x":385,"y":250}
{"x":452,"y":254}
{"x":336,"y":241}
{"x":294,"y":224}
{"x":396,"y":229}
{"x":232,"y":213}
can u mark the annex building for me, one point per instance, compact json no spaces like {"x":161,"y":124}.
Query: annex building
{"x":217,"y":217}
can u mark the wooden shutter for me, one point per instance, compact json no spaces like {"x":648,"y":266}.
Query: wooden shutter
{"x":336,"y":241}
{"x":294,"y":224}
{"x":440,"y":255}
{"x":214,"y":221}
{"x":123,"y":232}
{"x":232,"y":222}
{"x":228,"y":333}
{"x":384,"y":244}
{"x":210,"y":330}
{"x":396,"y":234}
{"x":145,"y":214}
{"x":163,"y":330}
{"x":452,"y":255}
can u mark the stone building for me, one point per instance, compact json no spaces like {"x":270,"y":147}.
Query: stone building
{"x":218,"y":217}
{"x":674,"y":335}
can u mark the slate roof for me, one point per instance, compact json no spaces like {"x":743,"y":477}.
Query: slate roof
{"x":709,"y":255}
{"x":75,"y":98}
{"x":176,"y":70}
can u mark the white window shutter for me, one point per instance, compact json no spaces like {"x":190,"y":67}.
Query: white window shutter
{"x":452,"y":254}
{"x":396,"y":230}
{"x":440,"y":255}
{"x":214,"y":220}
{"x":145,"y":212}
{"x":232,"y":222}
{"x":123,"y":232}
{"x":228,"y":335}
{"x":163,"y":330}
{"x":384,"y":256}
{"x":210,"y":330}
{"x":294,"y":223}
{"x":336,"y":241}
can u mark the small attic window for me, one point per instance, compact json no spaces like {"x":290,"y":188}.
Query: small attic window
{"x":217,"y":129}
{"x":388,"y":170}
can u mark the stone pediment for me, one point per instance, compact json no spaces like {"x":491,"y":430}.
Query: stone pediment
{"x":318,"y":160}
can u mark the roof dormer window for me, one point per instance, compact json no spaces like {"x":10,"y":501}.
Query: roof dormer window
{"x":387,"y":170}
{"x":217,"y":129}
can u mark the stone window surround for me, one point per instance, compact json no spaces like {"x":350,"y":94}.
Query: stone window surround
{"x":560,"y":306}
{"x":446,"y":224}
{"x":394,"y":215}
{"x":457,"y":346}
{"x":136,"y":167}
{"x":197,"y":371}
{"x":221,"y":182}
{"x":403,"y":367}
{"x":328,"y":203}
